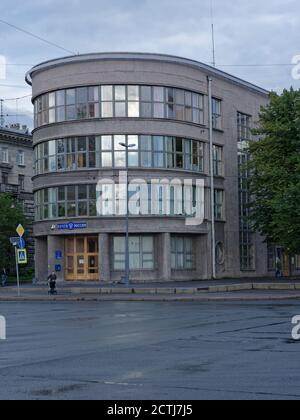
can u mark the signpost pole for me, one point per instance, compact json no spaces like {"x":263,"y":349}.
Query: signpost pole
{"x":17,"y":271}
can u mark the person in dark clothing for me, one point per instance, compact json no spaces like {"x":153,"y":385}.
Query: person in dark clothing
{"x":52,"y":283}
{"x":278,"y":265}
{"x":4,"y":277}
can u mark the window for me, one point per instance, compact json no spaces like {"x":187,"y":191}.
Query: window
{"x":218,"y":160}
{"x":220,"y":253}
{"x":4,"y":155}
{"x":22,"y":182}
{"x":141,"y":253}
{"x":20,"y":158}
{"x":131,"y":101}
{"x":5,"y":178}
{"x":217,"y":113}
{"x":219,"y":204}
{"x":247,"y":244}
{"x":182,"y":253}
{"x":106,"y":152}
{"x":244,"y":127}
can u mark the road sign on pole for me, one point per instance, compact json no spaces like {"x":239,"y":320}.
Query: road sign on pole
{"x":22,"y":244}
{"x":15,"y":241}
{"x":20,"y":231}
{"x":17,"y":271}
{"x":22,"y":256}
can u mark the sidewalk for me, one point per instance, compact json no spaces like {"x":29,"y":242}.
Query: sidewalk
{"x":247,"y":289}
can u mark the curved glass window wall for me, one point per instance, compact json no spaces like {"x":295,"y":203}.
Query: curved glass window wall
{"x":88,"y":201}
{"x":119,"y":102}
{"x":94,"y":152}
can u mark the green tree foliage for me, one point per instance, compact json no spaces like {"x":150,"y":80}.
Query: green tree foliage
{"x":10,"y":216}
{"x":275,"y":172}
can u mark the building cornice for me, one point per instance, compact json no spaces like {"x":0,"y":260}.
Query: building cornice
{"x":160,"y":58}
{"x":16,"y":138}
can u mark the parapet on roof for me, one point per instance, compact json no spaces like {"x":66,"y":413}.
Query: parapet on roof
{"x":211,"y":71}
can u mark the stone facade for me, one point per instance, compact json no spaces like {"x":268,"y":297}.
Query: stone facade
{"x":16,"y":167}
{"x":179,"y":252}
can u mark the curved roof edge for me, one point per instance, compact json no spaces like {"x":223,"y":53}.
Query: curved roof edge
{"x":142,"y":57}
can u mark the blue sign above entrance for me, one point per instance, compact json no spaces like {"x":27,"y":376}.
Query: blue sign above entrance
{"x":71,"y":226}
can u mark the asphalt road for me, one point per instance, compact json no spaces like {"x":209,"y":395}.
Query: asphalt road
{"x":149,"y":350}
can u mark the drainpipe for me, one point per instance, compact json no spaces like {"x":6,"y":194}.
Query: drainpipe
{"x":212,"y":181}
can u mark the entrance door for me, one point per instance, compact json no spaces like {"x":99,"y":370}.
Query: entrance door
{"x":82,"y":258}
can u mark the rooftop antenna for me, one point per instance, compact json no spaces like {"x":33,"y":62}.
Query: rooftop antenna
{"x":2,"y":119}
{"x":213,"y":33}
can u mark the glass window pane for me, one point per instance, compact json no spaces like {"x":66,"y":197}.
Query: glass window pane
{"x":51,"y":99}
{"x":120,"y":159}
{"x":117,"y":142}
{"x":133,"y":93}
{"x":158,"y":143}
{"x":106,"y":93}
{"x":146,"y":143}
{"x":82,"y":208}
{"x":133,"y":159}
{"x":107,"y":160}
{"x":71,"y":190}
{"x":82,"y":95}
{"x":107,"y":110}
{"x":119,"y":244}
{"x":106,"y":142}
{"x":60,"y":114}
{"x":82,"y":192}
{"x":120,"y":109}
{"x":148,"y":244}
{"x":133,"y":109}
{"x":133,"y":141}
{"x":71,"y":113}
{"x":146,"y":110}
{"x":159,"y":110}
{"x":70,"y":95}
{"x":60,"y":98}
{"x":158,"y":94}
{"x":146,"y":93}
{"x":179,"y":96}
{"x":120,"y":93}
{"x":61,"y":194}
{"x":93,"y":94}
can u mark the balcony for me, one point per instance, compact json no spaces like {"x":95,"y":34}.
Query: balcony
{"x":10,"y":188}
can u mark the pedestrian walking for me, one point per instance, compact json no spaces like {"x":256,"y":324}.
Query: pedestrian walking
{"x":52,"y":283}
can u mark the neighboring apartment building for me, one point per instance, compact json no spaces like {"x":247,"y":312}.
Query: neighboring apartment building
{"x":89,"y":110}
{"x":16,"y":172}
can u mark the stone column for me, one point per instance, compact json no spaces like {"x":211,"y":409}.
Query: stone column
{"x":164,"y":257}
{"x":203,"y":257}
{"x":41,"y":259}
{"x":104,"y":258}
{"x":56,"y":243}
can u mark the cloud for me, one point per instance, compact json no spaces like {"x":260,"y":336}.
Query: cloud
{"x":246,"y":33}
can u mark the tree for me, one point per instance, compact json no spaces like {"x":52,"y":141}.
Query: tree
{"x":11,"y":214}
{"x":275,"y":172}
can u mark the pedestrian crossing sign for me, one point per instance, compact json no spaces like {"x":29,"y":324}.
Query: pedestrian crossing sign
{"x":22,"y":256}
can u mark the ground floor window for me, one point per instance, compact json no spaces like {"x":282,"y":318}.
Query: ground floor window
{"x":141,"y":252}
{"x":182,"y":253}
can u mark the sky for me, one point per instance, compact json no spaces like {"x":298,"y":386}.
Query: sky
{"x":250,"y":37}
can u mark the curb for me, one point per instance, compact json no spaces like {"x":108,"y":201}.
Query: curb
{"x":154,"y":298}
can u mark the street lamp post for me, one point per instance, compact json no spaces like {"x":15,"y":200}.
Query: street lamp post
{"x":126,"y":281}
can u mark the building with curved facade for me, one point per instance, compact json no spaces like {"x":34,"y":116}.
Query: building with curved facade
{"x":98,"y":115}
